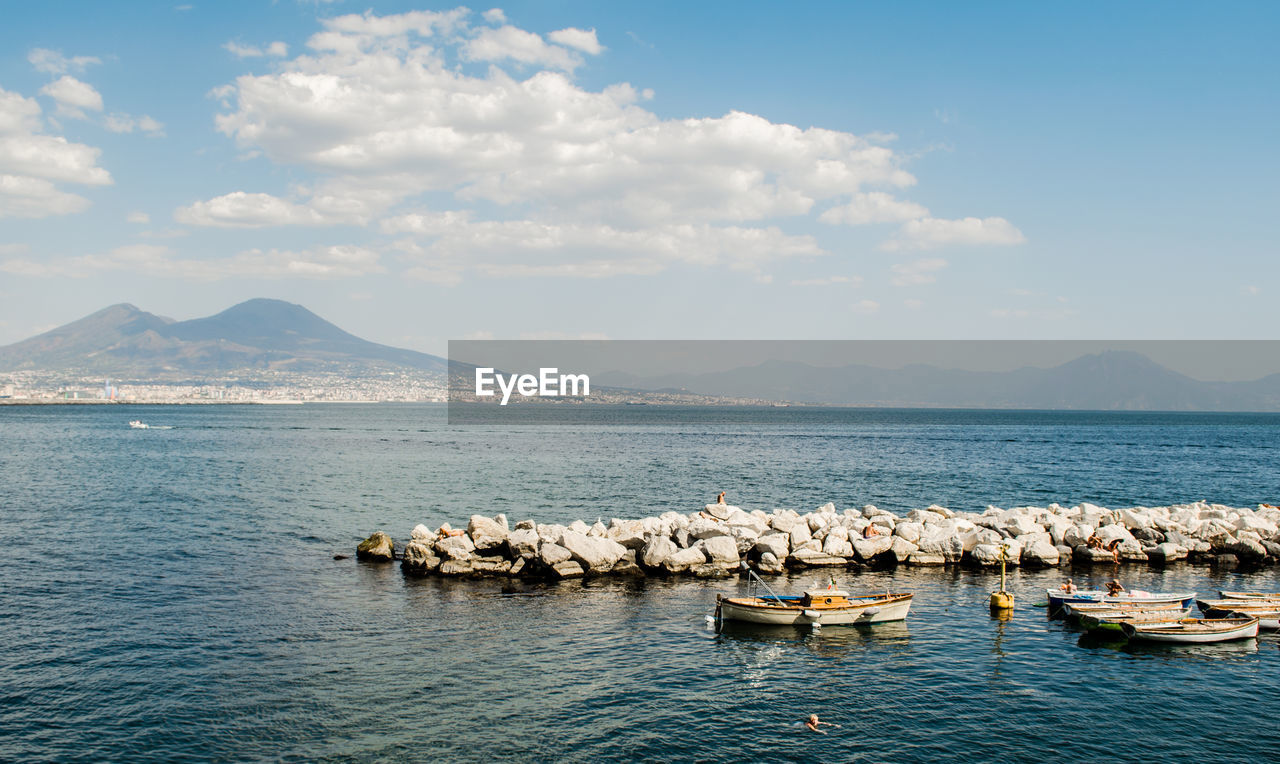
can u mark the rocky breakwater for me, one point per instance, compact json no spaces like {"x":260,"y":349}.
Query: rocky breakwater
{"x":721,"y":540}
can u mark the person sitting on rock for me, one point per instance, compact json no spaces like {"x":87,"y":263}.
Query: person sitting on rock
{"x":1069,"y":587}
{"x":871,"y":531}
{"x":1093,"y":542}
{"x":720,"y":498}
{"x":812,"y":724}
{"x":1114,"y":589}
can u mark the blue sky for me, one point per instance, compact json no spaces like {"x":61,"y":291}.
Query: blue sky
{"x":417,"y":173}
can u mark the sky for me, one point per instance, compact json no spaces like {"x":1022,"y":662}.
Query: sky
{"x":417,"y":173}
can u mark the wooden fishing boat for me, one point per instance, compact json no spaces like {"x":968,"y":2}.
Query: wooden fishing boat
{"x":1193,"y":631}
{"x":1112,"y":621}
{"x":819,"y":607}
{"x":1226,"y":595}
{"x":1268,"y":615}
{"x":1081,"y":609}
{"x":1059,"y":598}
{"x":1204,"y":605}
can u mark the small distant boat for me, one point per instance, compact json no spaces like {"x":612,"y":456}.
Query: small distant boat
{"x":1226,"y":595}
{"x":817,"y":607}
{"x":1193,"y":631}
{"x":1059,"y":598}
{"x":138,"y":424}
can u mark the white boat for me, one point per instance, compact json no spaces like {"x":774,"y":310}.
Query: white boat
{"x":1083,"y":609}
{"x":1226,"y":595}
{"x":138,"y":424}
{"x":1193,"y":631}
{"x":1267,"y":613}
{"x":1114,"y":620}
{"x":819,"y":607}
{"x":1226,"y":602}
{"x":1059,"y":598}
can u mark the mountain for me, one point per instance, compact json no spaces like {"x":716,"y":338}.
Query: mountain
{"x":259,"y":334}
{"x":1112,"y":380}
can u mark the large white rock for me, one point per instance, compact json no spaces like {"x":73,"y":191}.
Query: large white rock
{"x":705,"y":528}
{"x":784,"y":520}
{"x":629,"y":533}
{"x":657,"y":550}
{"x":985,"y":554}
{"x":908,"y":530}
{"x":777,"y":544}
{"x":1248,"y":522}
{"x":1020,"y":525}
{"x":770,"y":563}
{"x":748,"y":521}
{"x":596,"y":555}
{"x":1077,"y":534}
{"x":455,"y":548}
{"x":940,"y":541}
{"x":1040,"y":552}
{"x":1109,"y":533}
{"x":577,"y":526}
{"x":523,"y":543}
{"x":419,"y":556}
{"x":836,"y":546}
{"x":924,"y":517}
{"x":902,"y":548}
{"x":1135,"y":518}
{"x":799,"y":535}
{"x":684,"y":560}
{"x":421,"y":533}
{"x":720,"y":549}
{"x":551,"y":532}
{"x":866,"y":549}
{"x":1167,"y":552}
{"x":552,"y":554}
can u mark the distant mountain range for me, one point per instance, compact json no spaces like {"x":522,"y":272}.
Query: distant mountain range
{"x":1113,"y":380}
{"x":259,"y":334}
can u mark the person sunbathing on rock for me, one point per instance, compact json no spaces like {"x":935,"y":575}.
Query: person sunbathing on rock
{"x":870,"y":532}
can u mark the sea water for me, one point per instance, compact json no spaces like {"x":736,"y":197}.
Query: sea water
{"x":171,"y":595}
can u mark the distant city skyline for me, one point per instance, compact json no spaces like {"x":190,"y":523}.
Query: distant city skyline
{"x":418,"y":172}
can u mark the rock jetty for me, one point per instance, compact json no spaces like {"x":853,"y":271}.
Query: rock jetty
{"x":721,"y":540}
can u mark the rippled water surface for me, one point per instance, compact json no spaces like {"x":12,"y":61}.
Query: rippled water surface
{"x":170,"y":594}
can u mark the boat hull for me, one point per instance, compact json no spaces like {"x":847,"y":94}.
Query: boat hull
{"x":1059,"y":599}
{"x":1193,"y":632}
{"x":1267,"y":619}
{"x":860,"y":611}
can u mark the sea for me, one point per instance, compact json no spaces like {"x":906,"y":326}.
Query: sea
{"x":172,"y":594}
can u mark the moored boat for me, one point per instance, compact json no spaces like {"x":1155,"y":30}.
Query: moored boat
{"x":1114,"y":620}
{"x":1059,"y":598}
{"x":820,"y":607}
{"x":1193,"y":631}
{"x":138,"y":424}
{"x":1268,"y":615}
{"x":1082,"y":609}
{"x":1226,"y":595}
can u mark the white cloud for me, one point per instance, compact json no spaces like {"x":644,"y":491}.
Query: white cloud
{"x":508,"y":42}
{"x":141,"y":218}
{"x":53,"y":62}
{"x":828,"y":281}
{"x":865,"y":307}
{"x":33,"y":163}
{"x":929,"y":233}
{"x":276,"y":49}
{"x":73,"y":96}
{"x":578,"y":39}
{"x":380,"y":113}
{"x":873,"y":207}
{"x":156,"y":260}
{"x":495,"y":16}
{"x":125,"y":123}
{"x":1250,"y":290}
{"x":916,"y":273}
{"x":243,"y":210}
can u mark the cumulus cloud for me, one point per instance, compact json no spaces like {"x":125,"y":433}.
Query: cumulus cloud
{"x":276,"y":50}
{"x":32,"y":163}
{"x":382,"y":111}
{"x":125,"y":123}
{"x":156,"y":260}
{"x":873,"y":207}
{"x":578,"y":39}
{"x":53,"y":62}
{"x":73,"y":96}
{"x":929,"y":233}
{"x":916,"y":273}
{"x":140,"y":218}
{"x":495,"y":16}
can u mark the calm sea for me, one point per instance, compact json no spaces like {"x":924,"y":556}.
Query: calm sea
{"x":170,"y":594}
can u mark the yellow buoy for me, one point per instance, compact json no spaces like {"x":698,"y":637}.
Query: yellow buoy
{"x":1002,"y":600}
